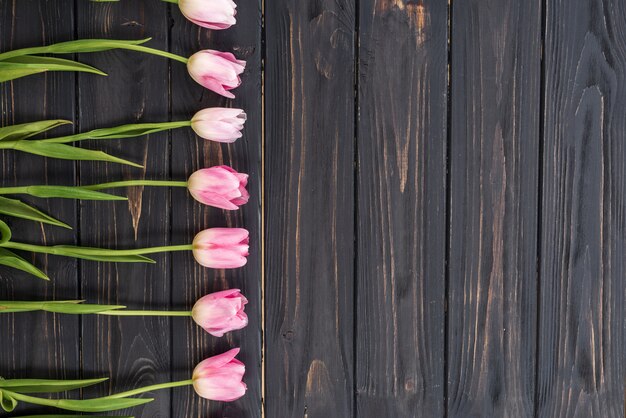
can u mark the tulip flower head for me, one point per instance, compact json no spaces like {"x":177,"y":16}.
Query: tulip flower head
{"x":219,"y":124}
{"x":219,"y":378}
{"x":221,"y":312}
{"x":221,"y":248}
{"x":220,"y":187}
{"x":211,"y":14}
{"x":217,"y":71}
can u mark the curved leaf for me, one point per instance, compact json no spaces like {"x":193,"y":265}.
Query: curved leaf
{"x":99,"y":254}
{"x":72,"y":307}
{"x":46,"y":385}
{"x":18,"y":209}
{"x":67,"y":152}
{"x":117,"y":132}
{"x":83,"y":405}
{"x":5,"y":233}
{"x":8,"y":73}
{"x":8,"y":258}
{"x":26,"y":130}
{"x":69,"y":192}
{"x":41,"y":64}
{"x":72,"y":47}
{"x":7,"y":402}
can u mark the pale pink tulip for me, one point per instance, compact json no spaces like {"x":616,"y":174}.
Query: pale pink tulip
{"x":217,"y":71}
{"x":212,"y":14}
{"x":221,"y":248}
{"x":219,"y":378}
{"x":220,"y":187}
{"x":219,"y":124}
{"x":221,"y":312}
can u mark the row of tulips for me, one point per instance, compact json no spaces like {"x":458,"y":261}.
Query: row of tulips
{"x":219,"y":377}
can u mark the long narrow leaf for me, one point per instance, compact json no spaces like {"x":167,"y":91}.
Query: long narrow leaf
{"x":7,"y":401}
{"x":86,"y":405}
{"x":72,"y":307}
{"x":69,"y":192}
{"x":72,"y":47}
{"x":123,"y":131}
{"x":8,"y":258}
{"x":98,"y":254}
{"x":26,"y":130}
{"x":68,"y":152}
{"x":10,"y":72}
{"x":73,"y":416}
{"x":18,"y":209}
{"x":46,"y":385}
{"x":41,"y":64}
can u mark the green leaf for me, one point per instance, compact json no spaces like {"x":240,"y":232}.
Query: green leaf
{"x":5,"y":233}
{"x":84,"y":405}
{"x":117,"y":132}
{"x":72,"y":47}
{"x":100,"y":404}
{"x":72,"y":416}
{"x":7,"y":402}
{"x":40,"y":64}
{"x":71,"y":307}
{"x":8,"y":258}
{"x":26,"y":130}
{"x":67,"y":152}
{"x":100,"y":254}
{"x":20,"y":209}
{"x":69,"y":192}
{"x":46,"y":385}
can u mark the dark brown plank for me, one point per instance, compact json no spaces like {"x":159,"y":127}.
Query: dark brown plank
{"x":38,"y":345}
{"x":309,"y":207}
{"x":494,"y":159}
{"x":132,"y":351}
{"x":581,"y":328}
{"x":401,"y":208}
{"x":191,"y":281}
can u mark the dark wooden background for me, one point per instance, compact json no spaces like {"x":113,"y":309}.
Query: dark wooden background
{"x":438,"y":211}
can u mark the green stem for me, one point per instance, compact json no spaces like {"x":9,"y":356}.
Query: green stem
{"x":158,"y":52}
{"x":144,"y":313}
{"x":171,"y":1}
{"x":61,"y":250}
{"x":128,"y":183}
{"x":14,"y":190}
{"x":150,"y":389}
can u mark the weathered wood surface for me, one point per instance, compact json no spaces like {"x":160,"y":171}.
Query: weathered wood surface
{"x":494,"y":171}
{"x":401,"y":222}
{"x":582,"y":270}
{"x":309,"y":207}
{"x":437,"y":207}
{"x":43,"y":344}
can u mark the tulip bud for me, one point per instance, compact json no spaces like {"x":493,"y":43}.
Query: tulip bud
{"x":212,"y":14}
{"x":220,"y":187}
{"x":221,"y":312}
{"x":221,"y":248}
{"x":219,"y":124}
{"x":217,"y":71}
{"x":219,"y":378}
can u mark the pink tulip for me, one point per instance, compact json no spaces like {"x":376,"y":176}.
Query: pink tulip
{"x":219,"y":124}
{"x":212,"y":14}
{"x":221,"y":312}
{"x":221,"y":248}
{"x":219,"y":378}
{"x":217,"y":71}
{"x":220,"y":187}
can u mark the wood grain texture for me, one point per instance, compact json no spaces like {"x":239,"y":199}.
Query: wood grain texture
{"x":494,"y":163}
{"x":581,"y":355}
{"x":401,"y":217}
{"x":133,"y":351}
{"x":309,"y":184}
{"x":38,"y":345}
{"x":190,"y":281}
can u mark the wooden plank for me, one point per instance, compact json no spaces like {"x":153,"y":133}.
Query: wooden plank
{"x":581,"y":328}
{"x":401,"y":208}
{"x":309,"y":207}
{"x":494,"y":158}
{"x":132,"y":351}
{"x":191,"y":281}
{"x":38,"y":345}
